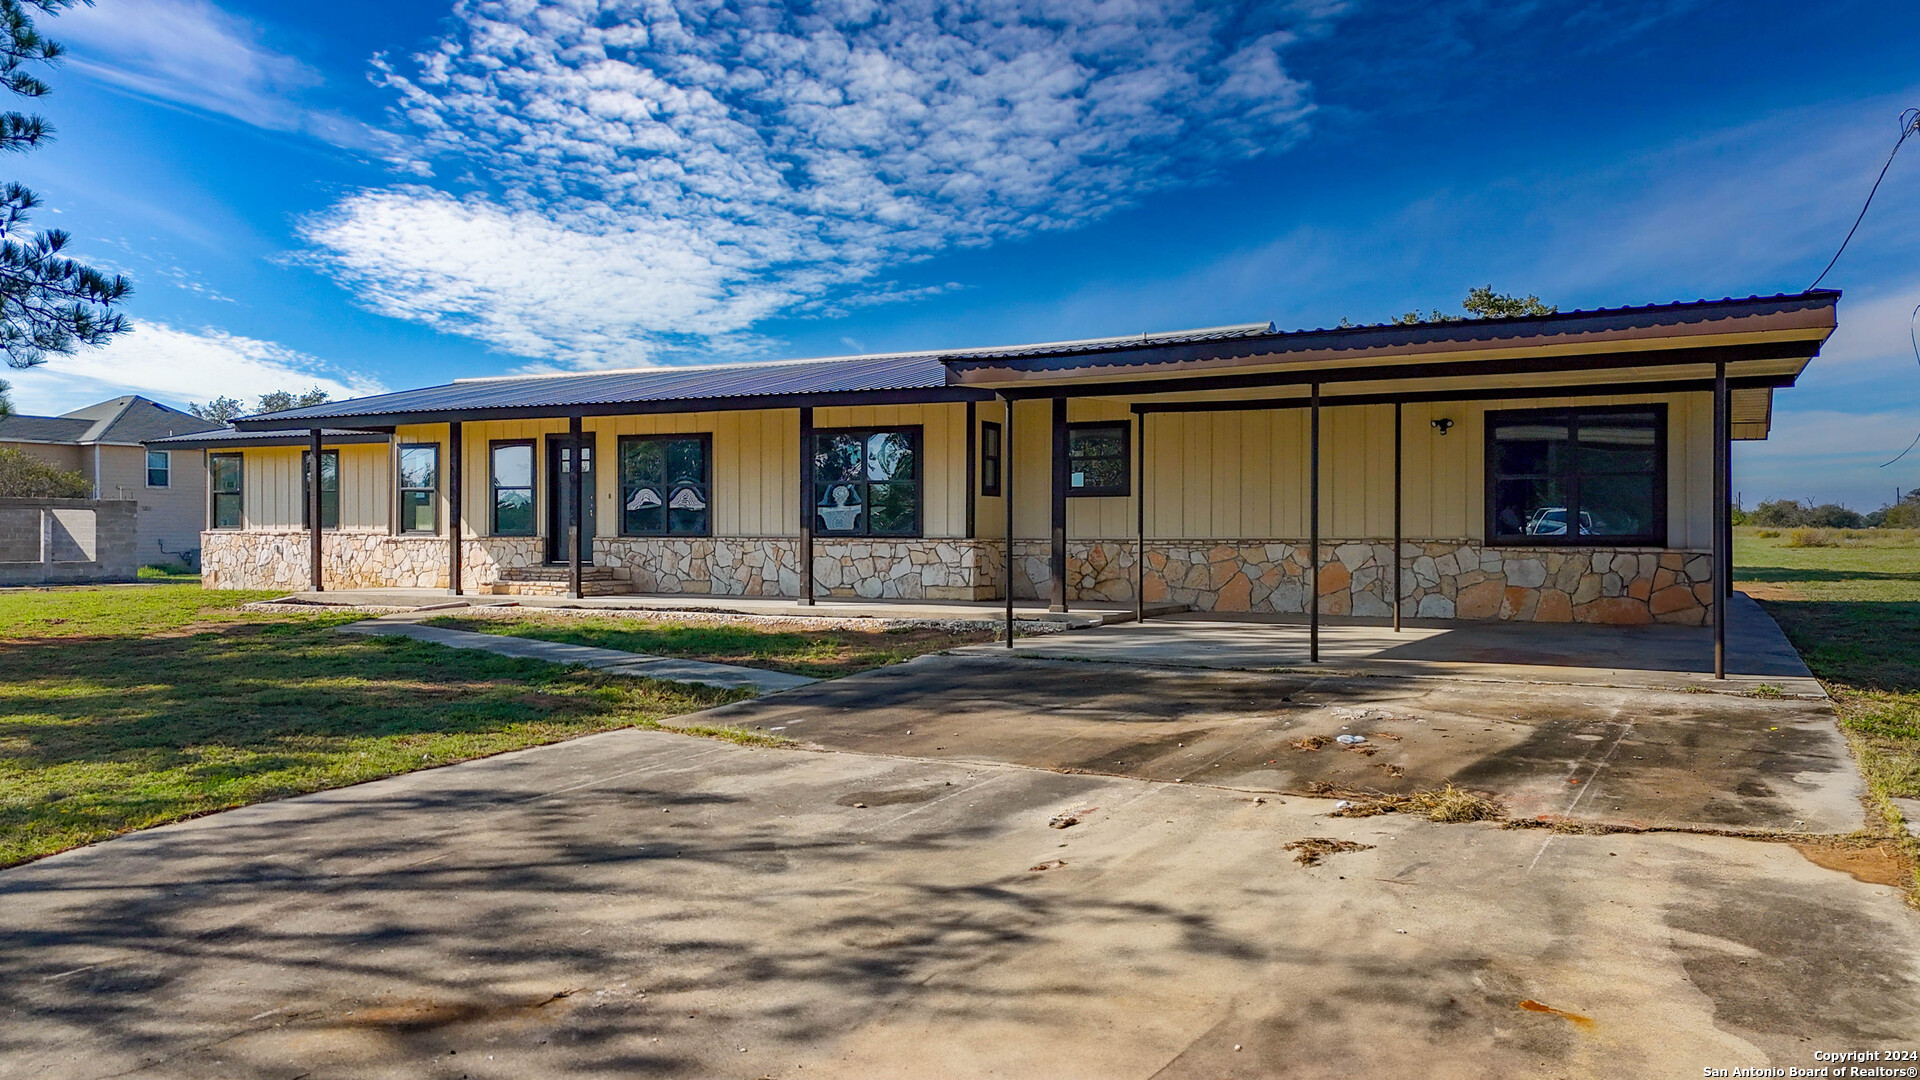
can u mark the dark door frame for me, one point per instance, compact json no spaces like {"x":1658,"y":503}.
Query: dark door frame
{"x":560,"y":494}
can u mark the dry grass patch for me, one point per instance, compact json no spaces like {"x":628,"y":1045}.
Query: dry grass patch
{"x":1308,"y":851}
{"x":1450,"y":804}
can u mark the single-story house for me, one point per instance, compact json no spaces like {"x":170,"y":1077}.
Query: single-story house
{"x":1564,"y":467}
{"x":105,"y":443}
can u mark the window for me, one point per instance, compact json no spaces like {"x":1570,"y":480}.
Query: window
{"x":990,"y":455}
{"x":420,"y":488}
{"x":224,"y":482}
{"x":159,"y":468}
{"x":666,"y":485}
{"x":1097,"y":457}
{"x":1577,"y":476}
{"x":867,"y":482}
{"x":511,"y":471}
{"x":329,"y":488}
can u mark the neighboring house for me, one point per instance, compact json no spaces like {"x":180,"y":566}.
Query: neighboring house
{"x":105,"y":443}
{"x":1562,"y":467}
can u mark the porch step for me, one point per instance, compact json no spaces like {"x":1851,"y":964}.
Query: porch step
{"x":553,"y":581}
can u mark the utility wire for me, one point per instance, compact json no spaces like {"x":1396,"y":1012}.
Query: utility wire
{"x":1915,"y":339}
{"x":1909,"y":123}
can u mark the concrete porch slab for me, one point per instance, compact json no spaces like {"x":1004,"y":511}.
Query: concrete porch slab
{"x":1758,"y":653}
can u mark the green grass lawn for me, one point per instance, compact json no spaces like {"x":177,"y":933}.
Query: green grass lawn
{"x":818,"y":653}
{"x":130,"y":706}
{"x":1853,"y":612}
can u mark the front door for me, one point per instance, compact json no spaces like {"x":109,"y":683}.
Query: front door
{"x":560,"y":460}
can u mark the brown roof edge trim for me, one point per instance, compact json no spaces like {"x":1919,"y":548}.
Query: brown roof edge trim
{"x":1802,"y":312}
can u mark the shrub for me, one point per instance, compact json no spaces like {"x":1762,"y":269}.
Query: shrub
{"x":23,"y":476}
{"x":1768,"y":534}
{"x":1804,"y":537}
{"x":1780,"y":514}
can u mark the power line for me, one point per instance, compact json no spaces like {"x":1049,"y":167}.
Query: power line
{"x":1909,"y":123}
{"x":1915,"y":340}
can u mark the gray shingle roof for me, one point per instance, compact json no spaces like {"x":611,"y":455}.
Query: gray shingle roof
{"x":123,"y":421}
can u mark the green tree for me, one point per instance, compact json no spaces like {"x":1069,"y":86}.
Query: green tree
{"x":6,"y":399}
{"x":222,"y":410}
{"x":23,"y":476}
{"x":49,"y":304}
{"x":1904,"y":514}
{"x":1482,"y":302}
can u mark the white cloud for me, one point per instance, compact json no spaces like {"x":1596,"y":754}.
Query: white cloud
{"x":190,"y":52}
{"x":651,"y":172}
{"x":176,"y":367}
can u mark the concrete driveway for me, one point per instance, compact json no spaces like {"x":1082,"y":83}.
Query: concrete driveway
{"x":649,"y":904}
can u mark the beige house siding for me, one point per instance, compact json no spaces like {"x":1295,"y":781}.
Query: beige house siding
{"x":271,"y":487}
{"x":67,"y":457}
{"x":168,"y":522}
{"x":1243,"y":474}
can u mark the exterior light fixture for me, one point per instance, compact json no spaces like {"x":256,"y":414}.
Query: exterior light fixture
{"x":1443,"y":425}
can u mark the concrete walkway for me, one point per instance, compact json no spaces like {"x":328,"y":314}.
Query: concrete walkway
{"x":1647,"y":656}
{"x":611,"y":661}
{"x":828,"y":607}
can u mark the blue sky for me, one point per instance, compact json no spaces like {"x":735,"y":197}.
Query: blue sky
{"x":366,"y":196}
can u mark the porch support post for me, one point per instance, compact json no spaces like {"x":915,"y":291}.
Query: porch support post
{"x":1397,"y":558}
{"x":577,"y":525}
{"x":1313,"y":530}
{"x":455,"y":504}
{"x":1006,"y":502}
{"x":313,"y":510}
{"x":1057,"y":563}
{"x":1140,"y":520}
{"x":1722,"y":555}
{"x":806,"y":505}
{"x":973,"y":467}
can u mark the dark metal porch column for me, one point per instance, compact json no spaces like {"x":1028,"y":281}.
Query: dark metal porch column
{"x":806,"y":505}
{"x":313,"y":510}
{"x":454,"y":507}
{"x":1398,"y":559}
{"x":576,"y":528}
{"x":973,"y":467}
{"x":1057,"y":560}
{"x":1313,"y":532}
{"x":1140,"y":520}
{"x":1722,"y":556}
{"x":1006,"y":501}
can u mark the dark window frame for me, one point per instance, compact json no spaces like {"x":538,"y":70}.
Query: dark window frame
{"x":167,"y":469}
{"x":1572,"y":415}
{"x":997,"y":454}
{"x":1125,"y":488}
{"x":400,"y":491}
{"x":705,"y":438}
{"x":915,"y":432}
{"x":532,"y":487}
{"x":306,"y":497}
{"x":238,"y":494}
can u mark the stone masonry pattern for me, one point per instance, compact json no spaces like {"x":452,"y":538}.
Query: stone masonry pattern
{"x":1440,"y":580}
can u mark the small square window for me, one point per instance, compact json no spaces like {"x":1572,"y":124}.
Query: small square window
{"x":1098,"y":459}
{"x":159,"y":469}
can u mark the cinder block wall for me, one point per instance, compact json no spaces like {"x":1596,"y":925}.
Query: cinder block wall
{"x":67,"y":541}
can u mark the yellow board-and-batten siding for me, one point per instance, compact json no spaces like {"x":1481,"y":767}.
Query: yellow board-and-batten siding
{"x":1209,"y":475}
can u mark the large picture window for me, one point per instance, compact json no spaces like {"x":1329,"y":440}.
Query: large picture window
{"x":329,"y":489}
{"x":510,"y":475}
{"x":420,"y":489}
{"x":1578,"y":476}
{"x":866,"y":482}
{"x":1097,"y":459}
{"x":224,"y":484}
{"x":666,"y":485}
